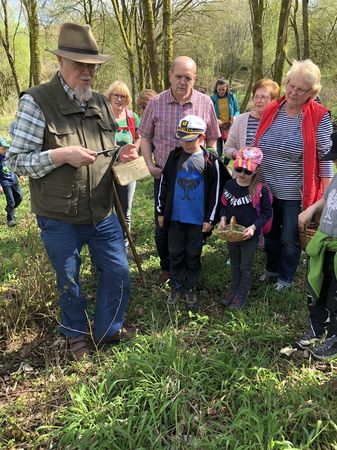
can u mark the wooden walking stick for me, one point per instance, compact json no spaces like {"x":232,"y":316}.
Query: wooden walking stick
{"x":125,"y":228}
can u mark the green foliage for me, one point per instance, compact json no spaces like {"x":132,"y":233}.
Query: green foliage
{"x":212,"y":380}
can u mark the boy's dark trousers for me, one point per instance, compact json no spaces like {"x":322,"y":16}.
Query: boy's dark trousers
{"x":241,"y":257}
{"x":13,"y":198}
{"x":323,"y":313}
{"x":161,"y":234}
{"x":185,"y":245}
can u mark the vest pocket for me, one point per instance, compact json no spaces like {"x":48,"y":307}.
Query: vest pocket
{"x":107,"y":135}
{"x":63,"y":134}
{"x":58,"y":198}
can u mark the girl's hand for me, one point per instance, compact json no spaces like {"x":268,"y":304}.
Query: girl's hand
{"x":249,"y":232}
{"x":161,"y":221}
{"x":206,"y":227}
{"x":222,"y":222}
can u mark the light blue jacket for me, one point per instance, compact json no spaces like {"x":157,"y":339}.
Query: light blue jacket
{"x":232,"y":104}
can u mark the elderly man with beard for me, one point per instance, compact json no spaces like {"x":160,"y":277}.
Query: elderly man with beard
{"x":60,"y":127}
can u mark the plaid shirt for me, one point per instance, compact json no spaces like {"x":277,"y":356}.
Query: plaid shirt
{"x":161,"y":119}
{"x":25,"y":156}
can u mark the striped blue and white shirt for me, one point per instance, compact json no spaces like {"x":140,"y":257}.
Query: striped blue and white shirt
{"x":282,"y":147}
{"x":252,"y":125}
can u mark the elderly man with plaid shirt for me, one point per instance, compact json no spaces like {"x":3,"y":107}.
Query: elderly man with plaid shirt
{"x":59,"y":129}
{"x":158,"y":131}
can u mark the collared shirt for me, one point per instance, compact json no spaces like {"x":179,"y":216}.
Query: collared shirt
{"x":161,"y":119}
{"x":25,"y":157}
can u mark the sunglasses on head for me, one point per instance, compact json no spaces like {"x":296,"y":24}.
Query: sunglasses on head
{"x":245,"y":171}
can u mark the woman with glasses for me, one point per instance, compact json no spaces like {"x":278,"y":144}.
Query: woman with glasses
{"x":243,"y":130}
{"x":294,"y":134}
{"x":119,"y":97}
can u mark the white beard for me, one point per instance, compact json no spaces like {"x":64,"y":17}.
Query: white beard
{"x":83,"y":94}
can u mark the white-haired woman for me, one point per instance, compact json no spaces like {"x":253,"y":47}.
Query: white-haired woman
{"x":119,"y":97}
{"x":294,"y":134}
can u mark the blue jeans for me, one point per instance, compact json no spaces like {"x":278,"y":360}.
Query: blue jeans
{"x":13,"y":199}
{"x":63,"y":242}
{"x":282,"y":243}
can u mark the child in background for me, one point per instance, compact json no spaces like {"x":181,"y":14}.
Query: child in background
{"x":321,"y":336}
{"x":237,"y":201}
{"x":9,"y":185}
{"x":188,"y":204}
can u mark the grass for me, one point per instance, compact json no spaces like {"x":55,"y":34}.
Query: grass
{"x":212,"y":380}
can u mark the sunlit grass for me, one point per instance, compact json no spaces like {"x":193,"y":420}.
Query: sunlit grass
{"x":212,"y":380}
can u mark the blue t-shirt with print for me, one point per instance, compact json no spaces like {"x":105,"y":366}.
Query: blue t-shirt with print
{"x":189,"y":189}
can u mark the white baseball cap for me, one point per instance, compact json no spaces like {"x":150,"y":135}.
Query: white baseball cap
{"x":190,"y":127}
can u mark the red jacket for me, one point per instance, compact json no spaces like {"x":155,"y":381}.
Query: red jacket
{"x":313,"y":114}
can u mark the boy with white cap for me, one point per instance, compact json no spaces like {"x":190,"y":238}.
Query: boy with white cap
{"x":188,"y":203}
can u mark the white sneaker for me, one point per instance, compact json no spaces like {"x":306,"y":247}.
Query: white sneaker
{"x":280,"y":287}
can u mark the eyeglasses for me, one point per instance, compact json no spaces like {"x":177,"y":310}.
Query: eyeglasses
{"x":297,"y":90}
{"x":122,"y":97}
{"x":245,"y":171}
{"x":261,"y":97}
{"x":81,"y":66}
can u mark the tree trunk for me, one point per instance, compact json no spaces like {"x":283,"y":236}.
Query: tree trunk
{"x":34,"y":41}
{"x":167,"y":40}
{"x":4,"y":36}
{"x":256,"y":12}
{"x":125,"y":20}
{"x":305,"y":25}
{"x":281,"y":43}
{"x":149,"y":29}
{"x":140,"y":57}
{"x":293,"y":23}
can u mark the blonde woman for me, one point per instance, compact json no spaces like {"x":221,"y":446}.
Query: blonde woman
{"x":119,"y":97}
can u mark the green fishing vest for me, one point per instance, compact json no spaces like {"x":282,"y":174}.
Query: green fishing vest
{"x":83,"y":195}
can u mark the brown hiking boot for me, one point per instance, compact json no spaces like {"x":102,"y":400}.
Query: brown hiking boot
{"x":124,"y":334}
{"x":78,"y":347}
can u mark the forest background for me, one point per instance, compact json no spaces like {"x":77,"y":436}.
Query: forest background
{"x":213,"y":380}
{"x":241,"y":40}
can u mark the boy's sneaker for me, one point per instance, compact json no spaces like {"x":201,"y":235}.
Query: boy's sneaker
{"x":192,"y":299}
{"x":228,"y":298}
{"x":11,"y":223}
{"x":237,"y":303}
{"x":280,"y":287}
{"x":309,"y":339}
{"x":173,"y":297}
{"x":327,"y":350}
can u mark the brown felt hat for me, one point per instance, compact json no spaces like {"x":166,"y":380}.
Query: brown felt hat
{"x":77,"y":43}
